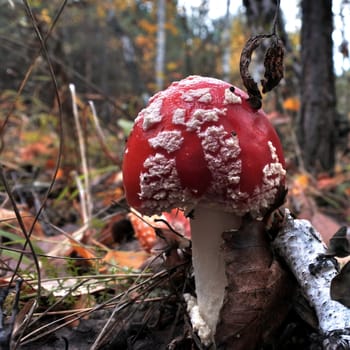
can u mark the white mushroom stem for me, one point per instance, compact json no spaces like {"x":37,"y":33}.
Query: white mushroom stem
{"x":208,"y":264}
{"x":300,"y":246}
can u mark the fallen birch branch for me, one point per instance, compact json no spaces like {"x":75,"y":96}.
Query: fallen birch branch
{"x":301,"y":246}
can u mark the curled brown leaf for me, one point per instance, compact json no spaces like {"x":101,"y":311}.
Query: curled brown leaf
{"x":273,"y":63}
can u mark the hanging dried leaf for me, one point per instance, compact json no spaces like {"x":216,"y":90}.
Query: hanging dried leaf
{"x":340,"y":286}
{"x":246,"y":56}
{"x":273,"y":63}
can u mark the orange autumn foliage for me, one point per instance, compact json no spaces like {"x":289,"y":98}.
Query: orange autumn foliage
{"x":291,"y":104}
{"x":129,"y":259}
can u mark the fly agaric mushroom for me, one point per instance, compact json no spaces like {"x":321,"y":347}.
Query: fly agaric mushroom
{"x":200,"y":146}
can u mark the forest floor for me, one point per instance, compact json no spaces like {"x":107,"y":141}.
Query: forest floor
{"x":94,"y":274}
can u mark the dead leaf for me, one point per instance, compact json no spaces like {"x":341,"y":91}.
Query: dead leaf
{"x":340,"y":286}
{"x":143,"y":230}
{"x":339,"y":244}
{"x":327,"y":183}
{"x":273,"y":63}
{"x":342,"y":261}
{"x":130,"y":259}
{"x":22,"y":317}
{"x":82,"y":302}
{"x":43,"y":148}
{"x":291,"y":104}
{"x":145,"y":226}
{"x":179,"y":222}
{"x":304,"y":206}
{"x":256,"y":299}
{"x":83,"y":251}
{"x":8,"y":217}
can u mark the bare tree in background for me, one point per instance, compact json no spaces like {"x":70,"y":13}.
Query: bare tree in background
{"x":129,"y":53}
{"x":161,"y":39}
{"x":226,"y":39}
{"x":316,"y":124}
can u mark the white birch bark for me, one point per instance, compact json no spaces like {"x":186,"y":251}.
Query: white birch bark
{"x":299,"y":244}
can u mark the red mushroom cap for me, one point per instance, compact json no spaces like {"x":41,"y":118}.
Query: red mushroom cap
{"x":199,"y":141}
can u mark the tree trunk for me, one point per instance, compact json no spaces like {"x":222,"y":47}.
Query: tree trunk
{"x":129,"y":53}
{"x":226,"y":44}
{"x":160,"y":45}
{"x":316,"y":124}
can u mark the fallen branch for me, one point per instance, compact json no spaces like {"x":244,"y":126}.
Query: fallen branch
{"x":301,"y":246}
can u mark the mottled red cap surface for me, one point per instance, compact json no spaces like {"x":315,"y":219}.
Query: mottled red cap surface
{"x":200,"y":142}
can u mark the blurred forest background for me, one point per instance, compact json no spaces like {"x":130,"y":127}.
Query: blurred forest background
{"x":119,"y":52}
{"x":73,"y":76}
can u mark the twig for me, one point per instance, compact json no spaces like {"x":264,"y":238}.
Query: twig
{"x":58,"y":302}
{"x":83,"y":200}
{"x":273,"y":64}
{"x":76,"y":237}
{"x":85,"y":192}
{"x":275,"y":18}
{"x":25,"y":233}
{"x":25,"y":252}
{"x":100,"y":135}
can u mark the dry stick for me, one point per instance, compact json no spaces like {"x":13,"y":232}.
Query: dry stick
{"x":100,"y":135}
{"x":301,"y":246}
{"x":25,"y":252}
{"x":84,"y":309}
{"x":84,"y":191}
{"x":83,"y":200}
{"x":275,"y":18}
{"x":105,"y":277}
